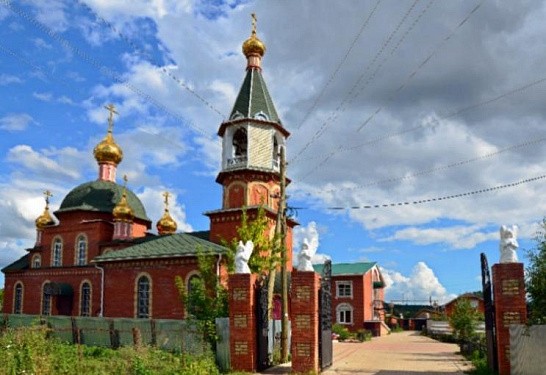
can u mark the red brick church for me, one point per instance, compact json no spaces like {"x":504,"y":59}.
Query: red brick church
{"x":99,"y":259}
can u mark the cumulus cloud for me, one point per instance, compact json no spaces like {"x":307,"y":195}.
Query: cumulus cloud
{"x":40,"y":163}
{"x":16,"y":122}
{"x":421,"y":285}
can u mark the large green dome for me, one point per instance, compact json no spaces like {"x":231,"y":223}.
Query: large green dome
{"x":101,"y":196}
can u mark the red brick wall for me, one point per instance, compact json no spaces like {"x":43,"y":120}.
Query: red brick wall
{"x":242,"y":322}
{"x":510,"y":307}
{"x":304,"y":308}
{"x":356,"y":301}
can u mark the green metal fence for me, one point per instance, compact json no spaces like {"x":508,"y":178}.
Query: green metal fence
{"x":168,"y":334}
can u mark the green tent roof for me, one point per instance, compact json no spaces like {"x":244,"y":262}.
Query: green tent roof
{"x":340,"y":269}
{"x":101,"y":196}
{"x":254,"y":98}
{"x":168,"y":246}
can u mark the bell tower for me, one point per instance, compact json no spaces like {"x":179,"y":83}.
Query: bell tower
{"x":251,"y":140}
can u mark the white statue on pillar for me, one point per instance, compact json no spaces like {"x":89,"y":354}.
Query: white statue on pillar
{"x":308,"y":249}
{"x":242,"y":256}
{"x":508,"y":244}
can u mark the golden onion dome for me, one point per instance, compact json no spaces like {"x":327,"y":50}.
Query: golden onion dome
{"x":107,"y":151}
{"x":253,"y":45}
{"x":45,"y":218}
{"x":122,"y":211}
{"x":166,"y":225}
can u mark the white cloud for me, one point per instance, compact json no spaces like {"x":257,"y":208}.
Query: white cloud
{"x":421,"y":286}
{"x":457,"y":237}
{"x":7,"y":79}
{"x":41,"y":163}
{"x":43,"y":96}
{"x":40,"y":43}
{"x":16,"y":122}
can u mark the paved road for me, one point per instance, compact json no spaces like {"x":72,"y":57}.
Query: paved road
{"x":401,"y":353}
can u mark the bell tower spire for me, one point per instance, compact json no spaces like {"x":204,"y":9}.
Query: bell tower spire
{"x":251,"y":140}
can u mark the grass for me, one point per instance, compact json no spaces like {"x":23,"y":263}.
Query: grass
{"x":30,"y":351}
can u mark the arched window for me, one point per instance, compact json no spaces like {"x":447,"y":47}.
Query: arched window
{"x":240,"y":143}
{"x":85,"y":299}
{"x":192,"y":280}
{"x":81,"y":250}
{"x":18,"y":298}
{"x":46,"y":300}
{"x":36,"y":261}
{"x":143,"y":296}
{"x":57,"y":256}
{"x":344,"y":313}
{"x":276,"y":153}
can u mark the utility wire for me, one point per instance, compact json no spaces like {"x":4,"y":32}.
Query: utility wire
{"x":338,"y":67}
{"x":447,"y":197}
{"x":423,"y":172}
{"x":103,"y":69}
{"x":147,"y":55}
{"x":352,"y":92}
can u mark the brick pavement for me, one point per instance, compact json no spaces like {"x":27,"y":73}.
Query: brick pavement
{"x":401,"y":353}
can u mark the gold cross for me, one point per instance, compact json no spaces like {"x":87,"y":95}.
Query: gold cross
{"x":47,"y":194}
{"x":166,"y":195}
{"x":110,"y":107}
{"x":254,"y":21}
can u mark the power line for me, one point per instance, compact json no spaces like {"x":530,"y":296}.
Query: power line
{"x":148,"y":55}
{"x":421,"y":65}
{"x":103,"y":69}
{"x":351,"y":95}
{"x":338,"y":67}
{"x":447,"y":197}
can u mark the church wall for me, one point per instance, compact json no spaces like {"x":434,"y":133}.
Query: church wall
{"x":121,"y":292}
{"x":260,"y":146}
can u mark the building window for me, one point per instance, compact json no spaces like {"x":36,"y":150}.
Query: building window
{"x":81,"y":251}
{"x":85,"y":299}
{"x":143,"y":297}
{"x":57,"y":256}
{"x":18,"y":298}
{"x":36,"y":261}
{"x":240,"y":143}
{"x":344,"y":289}
{"x":344,"y":313}
{"x":46,"y":300}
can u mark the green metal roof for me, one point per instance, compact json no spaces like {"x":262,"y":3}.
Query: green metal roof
{"x":339,"y":269}
{"x":20,"y":264}
{"x":101,"y":196}
{"x":168,"y":246}
{"x":254,"y":98}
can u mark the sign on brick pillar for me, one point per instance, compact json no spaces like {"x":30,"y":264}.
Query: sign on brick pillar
{"x":510,"y":307}
{"x":305,"y":319}
{"x":242,"y":322}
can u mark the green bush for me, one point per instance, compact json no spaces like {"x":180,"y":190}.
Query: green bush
{"x":29,"y":351}
{"x":342,"y":332}
{"x":363,"y":335}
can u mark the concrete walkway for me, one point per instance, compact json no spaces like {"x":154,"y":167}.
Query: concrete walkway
{"x":401,"y":353}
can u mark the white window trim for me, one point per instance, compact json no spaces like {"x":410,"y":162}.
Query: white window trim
{"x":344,"y":282}
{"x":341,"y":308}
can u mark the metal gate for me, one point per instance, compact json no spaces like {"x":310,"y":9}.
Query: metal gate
{"x":325,"y":324}
{"x":262,"y":327}
{"x":489,"y":315}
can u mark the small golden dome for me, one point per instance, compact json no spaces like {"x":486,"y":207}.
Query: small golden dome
{"x":45,"y":218}
{"x":122,"y":211}
{"x":107,"y":151}
{"x":166,"y":225}
{"x":253,"y":45}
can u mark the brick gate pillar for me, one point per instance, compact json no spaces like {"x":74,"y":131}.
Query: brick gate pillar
{"x":305,"y":322}
{"x":510,"y":307}
{"x":242,"y":322}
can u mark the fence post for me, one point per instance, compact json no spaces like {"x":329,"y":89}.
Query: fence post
{"x":153,"y":332}
{"x":137,"y":337}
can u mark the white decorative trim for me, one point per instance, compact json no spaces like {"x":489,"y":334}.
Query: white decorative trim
{"x":348,"y":283}
{"x":342,"y":308}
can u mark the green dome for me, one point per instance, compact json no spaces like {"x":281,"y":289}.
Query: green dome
{"x":101,"y":196}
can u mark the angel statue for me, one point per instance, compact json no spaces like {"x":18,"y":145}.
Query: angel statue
{"x":306,"y":254}
{"x":242,"y":256}
{"x":508,"y":244}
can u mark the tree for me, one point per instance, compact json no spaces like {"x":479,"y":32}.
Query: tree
{"x":536,"y":278}
{"x":463,"y":319}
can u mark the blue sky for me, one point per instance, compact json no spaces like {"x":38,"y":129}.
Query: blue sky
{"x":386,"y":102}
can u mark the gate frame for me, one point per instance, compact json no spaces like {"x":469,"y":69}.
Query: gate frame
{"x":325,"y":317}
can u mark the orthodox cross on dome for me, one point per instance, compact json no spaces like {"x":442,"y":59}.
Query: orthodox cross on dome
{"x":166,"y":195}
{"x":110,"y":107}
{"x":47,"y":195}
{"x":254,"y":22}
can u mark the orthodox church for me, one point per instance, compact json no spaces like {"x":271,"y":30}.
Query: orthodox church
{"x":99,"y":259}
